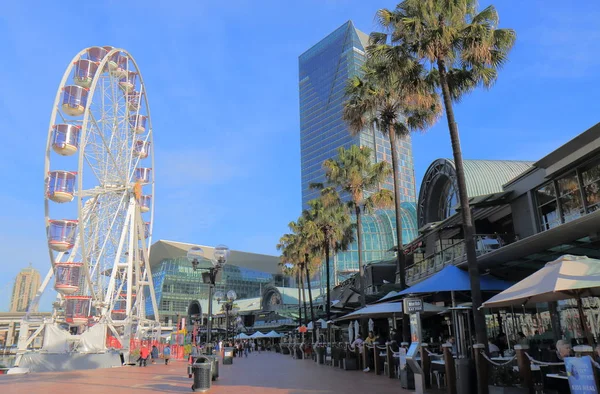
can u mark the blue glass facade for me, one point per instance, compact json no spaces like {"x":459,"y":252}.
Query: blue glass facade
{"x":379,"y":238}
{"x":176,"y":284}
{"x":323,"y":74}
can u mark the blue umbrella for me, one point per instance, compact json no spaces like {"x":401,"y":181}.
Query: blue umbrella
{"x":453,"y":278}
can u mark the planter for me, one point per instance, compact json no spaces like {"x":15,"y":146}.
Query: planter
{"x":507,"y":390}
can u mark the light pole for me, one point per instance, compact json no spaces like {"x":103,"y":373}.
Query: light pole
{"x":195,"y":255}
{"x":228,"y":304}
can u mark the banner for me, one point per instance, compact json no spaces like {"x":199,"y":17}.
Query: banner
{"x":581,"y":375}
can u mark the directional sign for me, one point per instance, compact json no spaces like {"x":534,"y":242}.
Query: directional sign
{"x":413,"y":305}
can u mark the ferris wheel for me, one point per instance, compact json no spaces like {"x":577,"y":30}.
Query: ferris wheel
{"x":99,"y":185}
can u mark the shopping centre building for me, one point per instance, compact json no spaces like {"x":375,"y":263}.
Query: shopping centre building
{"x":176,"y":283}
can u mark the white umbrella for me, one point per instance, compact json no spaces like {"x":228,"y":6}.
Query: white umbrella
{"x":350,"y":333}
{"x":356,"y":328}
{"x":371,"y":325}
{"x":566,"y":277}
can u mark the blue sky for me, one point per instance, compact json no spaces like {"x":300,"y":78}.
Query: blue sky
{"x":222,"y":86}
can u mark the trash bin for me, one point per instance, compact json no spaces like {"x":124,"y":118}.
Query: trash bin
{"x":320,"y":355}
{"x":202,"y":374}
{"x":228,"y":356}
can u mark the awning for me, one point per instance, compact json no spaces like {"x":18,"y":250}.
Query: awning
{"x":386,"y":309}
{"x":453,"y":278}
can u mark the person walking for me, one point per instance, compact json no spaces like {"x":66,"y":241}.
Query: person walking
{"x":144,"y":353}
{"x":167,"y":354}
{"x":154,"y":354}
{"x":194,"y":354}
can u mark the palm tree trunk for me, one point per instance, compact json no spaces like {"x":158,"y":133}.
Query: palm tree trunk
{"x":299,"y":299}
{"x":303,"y":296}
{"x":400,"y":258}
{"x":469,"y":232}
{"x":312,"y":311}
{"x":328,"y":307}
{"x":361,"y":273}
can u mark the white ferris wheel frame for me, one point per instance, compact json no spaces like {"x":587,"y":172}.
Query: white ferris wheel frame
{"x":103,"y":299}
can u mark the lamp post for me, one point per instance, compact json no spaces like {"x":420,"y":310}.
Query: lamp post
{"x":228,"y":300}
{"x":195,"y":255}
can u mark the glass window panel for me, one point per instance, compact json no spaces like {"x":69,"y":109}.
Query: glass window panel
{"x":591,"y":174}
{"x":546,"y":194}
{"x":568,"y":184}
{"x":549,"y":217}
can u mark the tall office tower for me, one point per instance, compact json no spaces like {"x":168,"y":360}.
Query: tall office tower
{"x":324,"y":71}
{"x":25,"y":288}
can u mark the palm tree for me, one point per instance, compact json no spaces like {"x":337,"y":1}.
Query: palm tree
{"x":354,"y":173}
{"x":299,"y":248}
{"x":395,"y":98}
{"x":288,"y":245}
{"x":464,"y":49}
{"x":309,"y":241}
{"x":328,"y":215}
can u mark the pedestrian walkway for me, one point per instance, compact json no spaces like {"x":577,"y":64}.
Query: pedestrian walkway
{"x":265,"y":373}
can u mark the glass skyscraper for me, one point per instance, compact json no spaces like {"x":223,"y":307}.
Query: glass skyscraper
{"x":324,"y":71}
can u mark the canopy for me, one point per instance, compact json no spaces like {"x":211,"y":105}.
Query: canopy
{"x":241,"y":336}
{"x":566,"y":277}
{"x":257,"y":334}
{"x":386,"y":309}
{"x":453,"y":278}
{"x":273,"y":334}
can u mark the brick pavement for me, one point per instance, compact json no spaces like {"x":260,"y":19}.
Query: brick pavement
{"x":266,"y":373}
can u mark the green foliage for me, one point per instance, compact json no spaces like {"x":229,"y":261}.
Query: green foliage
{"x":465,"y":42}
{"x":354,"y":172}
{"x":504,"y":376}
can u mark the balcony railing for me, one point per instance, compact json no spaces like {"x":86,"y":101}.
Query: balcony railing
{"x":454,"y":255}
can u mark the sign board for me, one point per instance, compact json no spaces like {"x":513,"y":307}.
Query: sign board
{"x":581,"y":375}
{"x":413,"y":305}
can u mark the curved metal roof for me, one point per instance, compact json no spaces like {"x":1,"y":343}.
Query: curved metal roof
{"x":483,"y":177}
{"x":487,"y":176}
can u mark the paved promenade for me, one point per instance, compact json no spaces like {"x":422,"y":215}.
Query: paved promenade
{"x":265,"y":373}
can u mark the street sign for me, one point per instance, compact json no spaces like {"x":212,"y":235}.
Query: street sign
{"x":413,"y":305}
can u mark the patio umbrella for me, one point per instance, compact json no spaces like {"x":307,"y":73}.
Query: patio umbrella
{"x":371,"y":324}
{"x":356,"y":328}
{"x":566,"y":277}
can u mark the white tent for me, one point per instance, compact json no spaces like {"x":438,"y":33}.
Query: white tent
{"x":241,"y":336}
{"x":273,"y":334}
{"x":257,"y":334}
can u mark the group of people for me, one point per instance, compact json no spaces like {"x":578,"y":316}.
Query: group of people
{"x":153,"y":353}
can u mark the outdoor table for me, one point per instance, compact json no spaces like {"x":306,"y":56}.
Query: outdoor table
{"x":438,"y":362}
{"x":557,"y":376}
{"x":534,"y":367}
{"x":502,"y":358}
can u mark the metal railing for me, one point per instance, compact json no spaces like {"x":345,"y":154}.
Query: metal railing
{"x":454,"y":255}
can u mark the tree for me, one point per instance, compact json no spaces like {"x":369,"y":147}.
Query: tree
{"x":289,"y":260}
{"x":329,"y":216}
{"x":353,"y":172}
{"x":464,"y":49}
{"x":395,"y":98}
{"x":299,"y":248}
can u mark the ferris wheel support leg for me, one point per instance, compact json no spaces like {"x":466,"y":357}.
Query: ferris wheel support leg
{"x":148,"y":271}
{"x":108,"y":299}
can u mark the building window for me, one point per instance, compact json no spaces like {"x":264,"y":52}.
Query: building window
{"x":569,"y":197}
{"x":547,"y":207}
{"x":448,"y":201}
{"x":590,"y":177}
